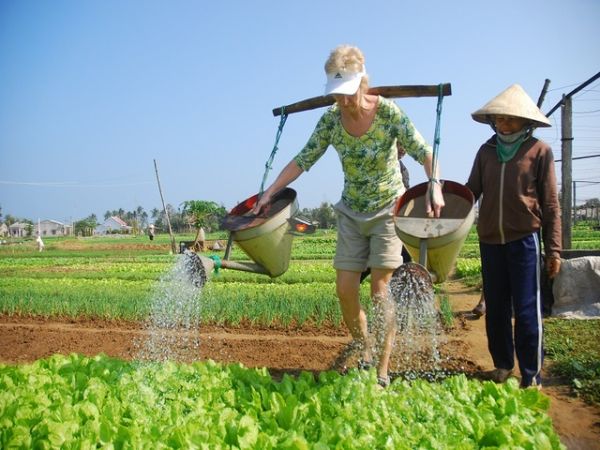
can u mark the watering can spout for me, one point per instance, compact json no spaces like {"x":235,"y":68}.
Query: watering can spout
{"x":197,"y":267}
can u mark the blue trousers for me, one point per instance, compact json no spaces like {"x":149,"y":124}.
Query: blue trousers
{"x":511,"y":283}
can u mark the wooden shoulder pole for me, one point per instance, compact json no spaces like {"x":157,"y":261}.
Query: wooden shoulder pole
{"x":384,"y":91}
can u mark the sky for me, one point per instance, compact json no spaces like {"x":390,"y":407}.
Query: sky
{"x":93,"y":93}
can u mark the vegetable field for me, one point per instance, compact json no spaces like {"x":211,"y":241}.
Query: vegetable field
{"x":79,"y":402}
{"x":272,"y":369}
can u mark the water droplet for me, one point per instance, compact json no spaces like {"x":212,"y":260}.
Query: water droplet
{"x":173,"y":328}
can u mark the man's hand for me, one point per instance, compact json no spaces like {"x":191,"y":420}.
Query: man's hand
{"x":552,"y":266}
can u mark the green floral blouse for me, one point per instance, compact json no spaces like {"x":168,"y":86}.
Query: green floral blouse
{"x":372,"y":177}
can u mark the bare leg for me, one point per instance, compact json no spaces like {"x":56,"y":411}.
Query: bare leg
{"x":348,"y":286}
{"x":385,"y":309}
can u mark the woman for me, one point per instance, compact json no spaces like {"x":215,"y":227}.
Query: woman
{"x":514,"y":172}
{"x":364,"y":129}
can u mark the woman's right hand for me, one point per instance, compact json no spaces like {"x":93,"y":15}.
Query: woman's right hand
{"x":262,"y":202}
{"x":287,"y":175}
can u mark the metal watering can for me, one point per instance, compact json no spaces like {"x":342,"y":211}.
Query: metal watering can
{"x":434,"y":242}
{"x":266,"y":238}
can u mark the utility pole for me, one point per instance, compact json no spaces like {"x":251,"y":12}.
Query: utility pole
{"x":543,"y":93}
{"x":173,"y":246}
{"x":566,"y":105}
{"x":566,"y":168}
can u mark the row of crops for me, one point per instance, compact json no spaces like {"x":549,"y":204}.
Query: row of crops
{"x":84,"y":403}
{"x":80,"y":402}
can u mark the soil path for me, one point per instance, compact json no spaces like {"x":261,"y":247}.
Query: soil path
{"x":464,"y":349}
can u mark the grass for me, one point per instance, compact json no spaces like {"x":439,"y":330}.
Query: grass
{"x":574,"y":349}
{"x":572,"y":346}
{"x":446,"y":313}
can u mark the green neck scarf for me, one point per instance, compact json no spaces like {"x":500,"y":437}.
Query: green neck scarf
{"x":507,"y":145}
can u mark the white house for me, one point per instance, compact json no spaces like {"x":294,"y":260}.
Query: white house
{"x":53,"y":228}
{"x":113,"y":224}
{"x":3,"y":230}
{"x":20,"y":229}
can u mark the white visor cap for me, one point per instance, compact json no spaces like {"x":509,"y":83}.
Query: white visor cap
{"x":344,"y":82}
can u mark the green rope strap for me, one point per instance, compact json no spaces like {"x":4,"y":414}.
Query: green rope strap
{"x":217,"y":261}
{"x":436,"y":142}
{"x":268,"y":164}
{"x":436,"y":138}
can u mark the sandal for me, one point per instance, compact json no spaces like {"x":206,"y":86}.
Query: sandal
{"x":364,"y":365}
{"x":479,"y":310}
{"x":383,"y":381}
{"x":497,"y":375}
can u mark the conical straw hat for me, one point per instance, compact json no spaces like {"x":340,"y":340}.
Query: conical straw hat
{"x":515,"y":102}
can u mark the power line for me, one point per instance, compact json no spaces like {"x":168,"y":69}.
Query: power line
{"x":71,"y":184}
{"x":579,"y":157}
{"x":573,"y":92}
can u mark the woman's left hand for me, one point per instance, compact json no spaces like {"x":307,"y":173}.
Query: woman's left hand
{"x":434,"y":199}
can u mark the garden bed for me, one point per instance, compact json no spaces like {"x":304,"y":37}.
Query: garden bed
{"x":285,"y":351}
{"x":93,"y":297}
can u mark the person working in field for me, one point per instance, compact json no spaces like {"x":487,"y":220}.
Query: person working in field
{"x":40,"y":243}
{"x":514,"y":174}
{"x":364,"y":129}
{"x":151,"y":231}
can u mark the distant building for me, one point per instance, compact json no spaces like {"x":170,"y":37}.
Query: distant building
{"x":4,"y":230}
{"x":53,"y":228}
{"x":20,"y":229}
{"x":111,"y":225}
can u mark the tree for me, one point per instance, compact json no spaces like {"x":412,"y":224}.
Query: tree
{"x":85,"y":227}
{"x":144,"y":219}
{"x":9,"y":220}
{"x":177,"y":223}
{"x":203,"y":214}
{"x":141,"y":216}
{"x":592,"y":203}
{"x":325,"y":215}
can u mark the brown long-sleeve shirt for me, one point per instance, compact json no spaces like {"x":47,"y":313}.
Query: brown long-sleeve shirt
{"x":518,"y":197}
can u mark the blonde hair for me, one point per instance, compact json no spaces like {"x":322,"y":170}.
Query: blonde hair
{"x":347,"y":58}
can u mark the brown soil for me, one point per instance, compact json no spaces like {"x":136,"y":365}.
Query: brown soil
{"x":464,"y":349}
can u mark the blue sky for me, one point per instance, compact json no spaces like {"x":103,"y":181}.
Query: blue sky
{"x":92,"y":92}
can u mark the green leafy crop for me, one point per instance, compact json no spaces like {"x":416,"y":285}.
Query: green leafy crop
{"x":81,"y":402}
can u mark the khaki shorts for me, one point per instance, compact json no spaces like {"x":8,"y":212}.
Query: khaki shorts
{"x":366,"y":240}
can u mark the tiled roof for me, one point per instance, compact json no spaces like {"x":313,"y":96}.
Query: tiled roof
{"x":119,"y":221}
